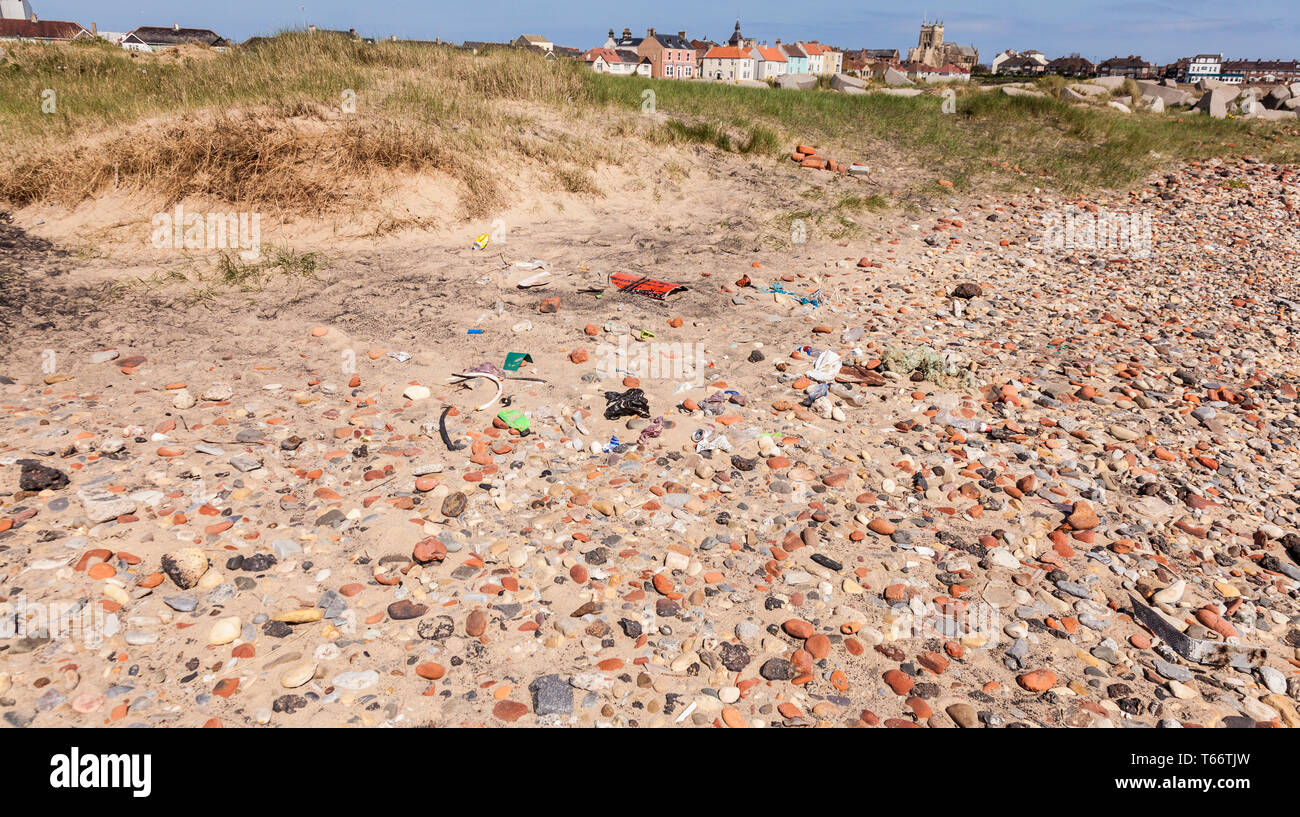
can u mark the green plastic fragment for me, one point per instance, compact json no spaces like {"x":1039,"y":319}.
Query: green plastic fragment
{"x":515,"y":419}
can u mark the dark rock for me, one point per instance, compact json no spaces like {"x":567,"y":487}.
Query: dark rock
{"x":777,"y":669}
{"x":37,"y":477}
{"x":552,"y":695}
{"x":406,"y":609}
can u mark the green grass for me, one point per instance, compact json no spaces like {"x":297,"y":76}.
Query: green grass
{"x":266,"y":127}
{"x":1080,"y":146}
{"x":249,"y":275}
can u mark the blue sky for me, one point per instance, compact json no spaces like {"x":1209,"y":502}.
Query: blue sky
{"x":1159,"y":31}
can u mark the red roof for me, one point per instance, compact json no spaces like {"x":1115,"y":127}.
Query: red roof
{"x":727,"y":52}
{"x":609,"y":55}
{"x":813,"y":49}
{"x":949,"y":68}
{"x":40,"y":30}
{"x":771,"y":54}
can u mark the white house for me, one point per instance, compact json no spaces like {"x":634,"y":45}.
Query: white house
{"x":1031,"y":55}
{"x":1210,"y":66}
{"x":816,"y":57}
{"x":728,"y":63}
{"x":769,"y":61}
{"x":617,"y":61}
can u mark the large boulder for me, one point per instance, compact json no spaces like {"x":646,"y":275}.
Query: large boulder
{"x":1292,"y":104}
{"x":1266,"y":114}
{"x":1011,"y":90}
{"x":1109,"y":83}
{"x":848,"y":84}
{"x":1088,"y":89}
{"x":797,"y":82}
{"x":751,"y":83}
{"x":1170,"y":96}
{"x":1154,"y":104}
{"x":895,"y":77}
{"x":1275,"y":97}
{"x":900,"y":91}
{"x":1215,"y":101}
{"x":1070,"y":95}
{"x":1119,"y":106}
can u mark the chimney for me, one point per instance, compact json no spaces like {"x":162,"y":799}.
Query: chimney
{"x":311,"y":29}
{"x":33,"y":16}
{"x":649,"y":32}
{"x":176,"y":26}
{"x":627,"y":32}
{"x":682,"y":34}
{"x":94,"y":29}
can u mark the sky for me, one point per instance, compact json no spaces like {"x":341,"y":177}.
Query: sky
{"x":1158,"y":31}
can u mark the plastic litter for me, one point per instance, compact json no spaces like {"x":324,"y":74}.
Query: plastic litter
{"x":516,"y":420}
{"x":827,"y":367}
{"x":464,"y":375}
{"x":815,"y":299}
{"x":644,"y":285}
{"x":651,"y":431}
{"x":626,"y":404}
{"x":516,"y":359}
{"x":705,"y":440}
{"x":815,"y":393}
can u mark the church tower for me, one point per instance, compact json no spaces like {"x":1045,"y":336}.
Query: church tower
{"x":931,"y":34}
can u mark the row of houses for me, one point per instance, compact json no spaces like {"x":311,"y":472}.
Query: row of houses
{"x":1031,"y":63}
{"x":675,"y":56}
{"x":1234,"y":72}
{"x":1187,"y":69}
{"x":143,"y":38}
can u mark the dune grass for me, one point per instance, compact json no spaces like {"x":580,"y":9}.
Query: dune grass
{"x":275,"y":127}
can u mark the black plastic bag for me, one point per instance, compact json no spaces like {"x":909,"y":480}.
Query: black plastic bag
{"x":630,"y":403}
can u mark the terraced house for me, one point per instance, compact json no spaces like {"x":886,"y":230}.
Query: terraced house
{"x":796,"y":58}
{"x":1286,"y":71}
{"x":770,"y":61}
{"x":729,"y":64}
{"x":671,"y":55}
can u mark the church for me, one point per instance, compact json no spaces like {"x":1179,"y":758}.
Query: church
{"x":932,"y":50}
